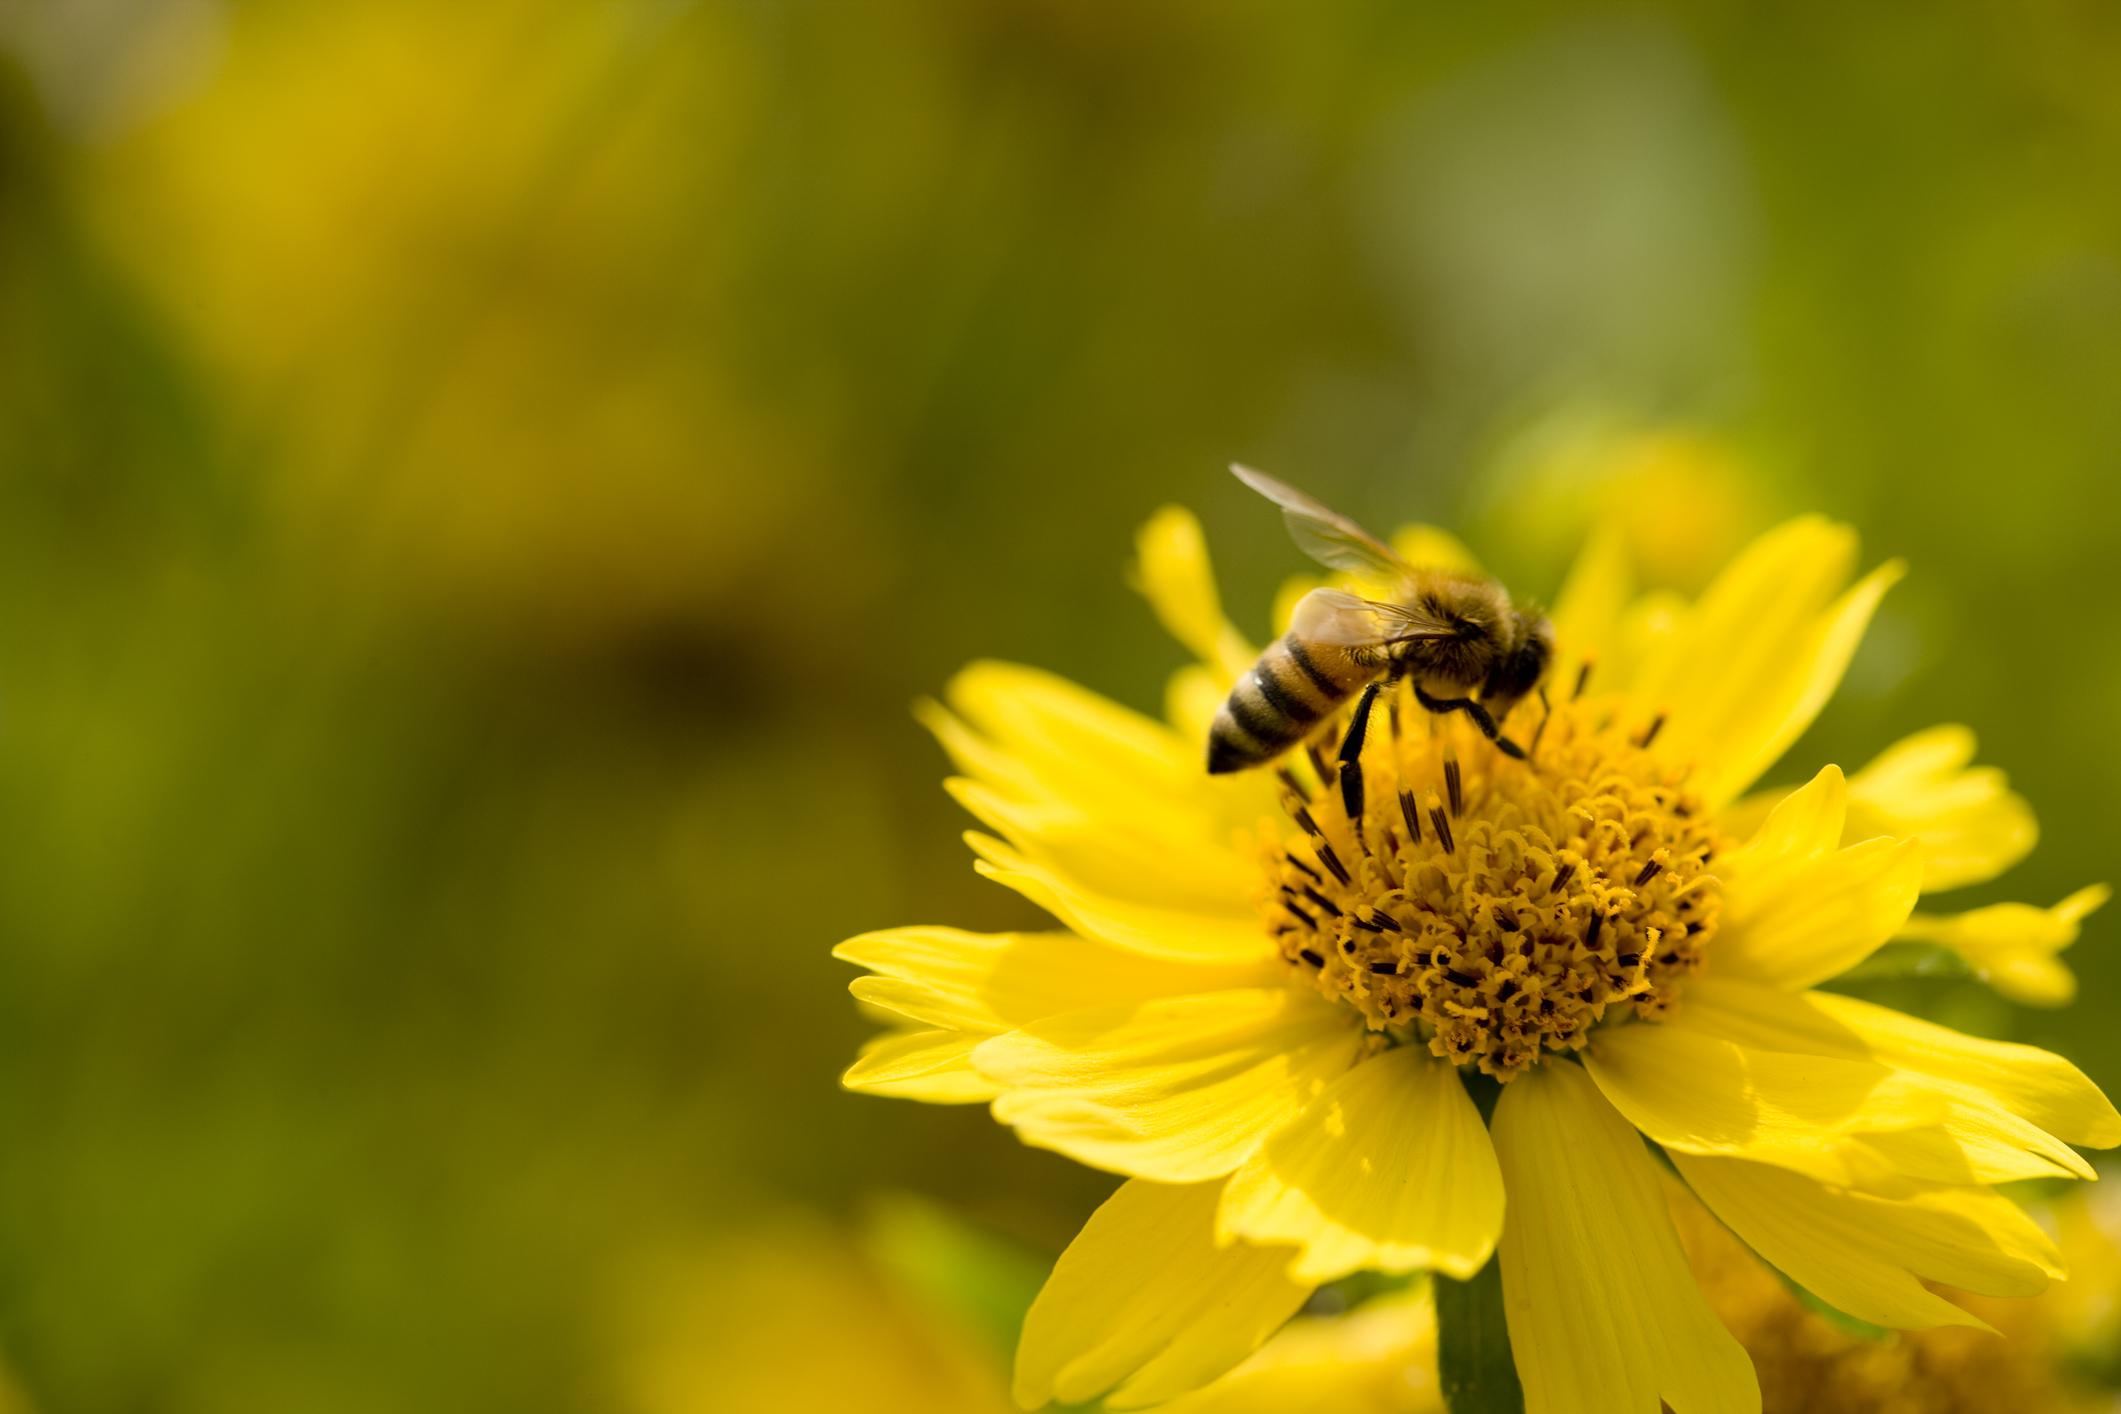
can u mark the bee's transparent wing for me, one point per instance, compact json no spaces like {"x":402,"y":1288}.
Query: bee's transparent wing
{"x":1349,"y":621}
{"x":1325,"y":534}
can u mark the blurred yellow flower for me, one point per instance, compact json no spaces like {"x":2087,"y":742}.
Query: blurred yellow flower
{"x":790,"y":1318}
{"x":1809,"y":1366}
{"x":442,"y":265}
{"x":1281,"y":1007}
{"x":1681,"y":500}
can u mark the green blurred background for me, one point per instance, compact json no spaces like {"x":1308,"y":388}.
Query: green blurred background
{"x":480,"y":485}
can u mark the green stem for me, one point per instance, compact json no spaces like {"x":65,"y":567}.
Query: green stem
{"x":1473,"y":1359}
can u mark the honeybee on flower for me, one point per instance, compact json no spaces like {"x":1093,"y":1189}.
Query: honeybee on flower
{"x":1415,"y":1006}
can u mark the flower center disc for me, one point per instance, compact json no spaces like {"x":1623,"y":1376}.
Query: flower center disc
{"x":1495,"y":908}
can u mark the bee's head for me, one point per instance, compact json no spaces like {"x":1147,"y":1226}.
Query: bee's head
{"x":1517,"y":672}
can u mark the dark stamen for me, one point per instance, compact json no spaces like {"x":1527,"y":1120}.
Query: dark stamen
{"x":1309,"y":921}
{"x":1506,"y":920}
{"x":1651,"y":735}
{"x":1304,"y":822}
{"x":1327,"y":857}
{"x":1311,"y":957}
{"x":1590,"y":934}
{"x":1385,"y":920}
{"x":1561,"y":880}
{"x":1461,"y":978}
{"x":1385,"y":969}
{"x":1321,"y":900}
{"x":1649,"y":872}
{"x":1305,"y":867}
{"x":1411,"y":812}
{"x":1318,"y":761}
{"x":1288,"y":778}
{"x":1583,"y":675}
{"x":1443,"y":830}
{"x":1457,"y":789}
{"x":1365,"y":924}
{"x":1628,"y":959}
{"x":1348,"y":946}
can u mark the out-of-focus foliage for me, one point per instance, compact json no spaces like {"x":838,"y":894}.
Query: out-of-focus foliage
{"x":480,"y":484}
{"x":784,"y":1315}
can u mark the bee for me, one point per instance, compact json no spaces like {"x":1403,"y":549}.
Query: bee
{"x":1451,"y":632}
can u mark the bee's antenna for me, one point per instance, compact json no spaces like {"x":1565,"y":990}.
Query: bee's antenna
{"x":1541,"y":730}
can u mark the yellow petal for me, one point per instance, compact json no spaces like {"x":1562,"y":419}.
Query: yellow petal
{"x":1604,"y":1314}
{"x":1742,"y":819}
{"x":1035,"y":735}
{"x":935,"y":1066}
{"x":1971,"y":824}
{"x":994,"y":982}
{"x":2031,"y":979}
{"x":1824,"y":918}
{"x":1378,"y":1359}
{"x":1690,"y":1087}
{"x":1174,"y":804}
{"x":1220,"y":938}
{"x":1647,"y":629}
{"x":1159,"y":857}
{"x":1796,"y":909}
{"x":1390,"y":1168}
{"x":2012,"y":946}
{"x":1760,"y":654}
{"x":1760,"y":602}
{"x":1052,"y":724}
{"x":1172,"y":571}
{"x":1190,"y":701}
{"x":1863,"y":1254}
{"x":1587,"y":613}
{"x":2038,"y":1085}
{"x":1177,"y":1090}
{"x":1144,"y":1299}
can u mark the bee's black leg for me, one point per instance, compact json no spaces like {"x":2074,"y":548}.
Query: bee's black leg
{"x":1478,"y":713}
{"x":1359,"y":724}
{"x":1351,"y":790}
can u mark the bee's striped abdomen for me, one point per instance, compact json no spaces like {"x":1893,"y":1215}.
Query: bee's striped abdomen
{"x":1288,"y":691}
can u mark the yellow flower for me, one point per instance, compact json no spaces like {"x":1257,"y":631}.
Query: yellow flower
{"x":1281,"y":1020}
